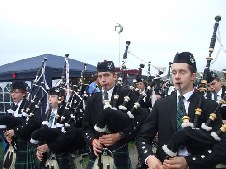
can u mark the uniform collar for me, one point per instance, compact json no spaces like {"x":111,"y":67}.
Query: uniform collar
{"x":109,"y":91}
{"x":186,"y":95}
{"x":220,"y":92}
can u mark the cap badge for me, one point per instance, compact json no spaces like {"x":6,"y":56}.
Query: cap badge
{"x":109,"y":65}
{"x":192,"y":59}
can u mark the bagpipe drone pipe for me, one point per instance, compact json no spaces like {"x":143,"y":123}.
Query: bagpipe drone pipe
{"x":198,"y":140}
{"x":76,"y":103}
{"x":122,"y":74}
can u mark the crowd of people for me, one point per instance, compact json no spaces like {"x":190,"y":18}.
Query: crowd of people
{"x":113,"y":115}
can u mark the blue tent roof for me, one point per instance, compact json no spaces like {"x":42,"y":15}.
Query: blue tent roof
{"x":27,"y":68}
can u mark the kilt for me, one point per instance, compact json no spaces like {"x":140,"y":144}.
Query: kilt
{"x":25,"y":155}
{"x":66,"y":161}
{"x":121,"y":158}
{"x":82,"y":150}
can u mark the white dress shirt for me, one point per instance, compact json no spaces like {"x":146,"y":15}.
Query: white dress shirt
{"x":218,"y":96}
{"x":109,"y":93}
{"x":184,"y":152}
{"x":16,"y":114}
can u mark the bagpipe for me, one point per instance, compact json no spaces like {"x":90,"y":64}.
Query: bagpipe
{"x":169,"y":87}
{"x":142,"y":85}
{"x":29,"y":106}
{"x":31,"y":103}
{"x":67,"y":119}
{"x":156,"y":84}
{"x":122,"y":73}
{"x":51,"y":129}
{"x":68,"y":115}
{"x":113,"y":119}
{"x":195,"y":139}
{"x":76,"y":103}
{"x":29,"y":110}
{"x":48,"y":133}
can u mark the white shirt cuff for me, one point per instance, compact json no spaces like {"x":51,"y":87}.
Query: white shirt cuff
{"x":146,"y":159}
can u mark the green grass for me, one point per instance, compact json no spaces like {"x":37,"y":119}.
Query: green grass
{"x":85,"y":160}
{"x":131,"y":145}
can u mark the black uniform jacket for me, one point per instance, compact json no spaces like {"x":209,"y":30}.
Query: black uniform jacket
{"x":95,"y":105}
{"x":162,"y":119}
{"x":223,"y":108}
{"x":70,"y":141}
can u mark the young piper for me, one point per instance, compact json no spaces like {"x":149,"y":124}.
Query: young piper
{"x":19,"y":129}
{"x":52,"y":130}
{"x":217,"y":91}
{"x":166,"y":117}
{"x":116,"y":142}
{"x":143,"y":87}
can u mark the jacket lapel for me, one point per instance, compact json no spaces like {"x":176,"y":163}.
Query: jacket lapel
{"x":22,"y":106}
{"x":173,"y":110}
{"x":113,"y":93}
{"x":99,"y":100}
{"x":223,"y":91}
{"x":194,"y":100}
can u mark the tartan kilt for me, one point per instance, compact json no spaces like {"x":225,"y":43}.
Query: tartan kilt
{"x":25,"y":155}
{"x":64,"y":161}
{"x":81,"y":150}
{"x":121,"y":158}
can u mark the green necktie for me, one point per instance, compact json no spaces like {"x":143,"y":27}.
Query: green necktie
{"x":180,"y":111}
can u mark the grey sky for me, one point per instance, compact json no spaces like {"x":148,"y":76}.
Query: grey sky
{"x":86,"y":30}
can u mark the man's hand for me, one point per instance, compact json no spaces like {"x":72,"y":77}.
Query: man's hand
{"x":175,"y":163}
{"x":97,"y":147}
{"x":9,"y":139}
{"x":40,"y":150}
{"x":43,"y":148}
{"x":39,"y":155}
{"x":154,"y":163}
{"x":109,"y":139}
{"x":224,"y":121}
{"x":9,"y":133}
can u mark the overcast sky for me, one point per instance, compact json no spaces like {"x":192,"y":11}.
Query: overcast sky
{"x":86,"y":30}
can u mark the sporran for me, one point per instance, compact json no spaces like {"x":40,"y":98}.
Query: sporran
{"x":9,"y":158}
{"x":51,"y":162}
{"x":107,"y":160}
